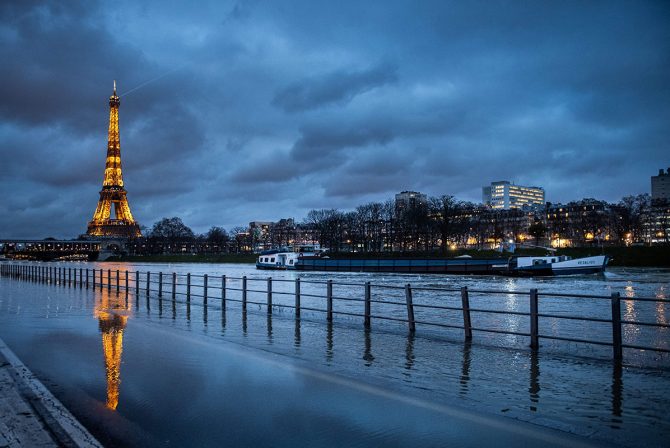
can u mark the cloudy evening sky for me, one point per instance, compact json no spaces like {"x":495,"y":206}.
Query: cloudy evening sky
{"x":260,"y":110}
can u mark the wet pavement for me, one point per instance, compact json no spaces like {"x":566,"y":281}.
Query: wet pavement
{"x":30,"y":416}
{"x":19,"y":424}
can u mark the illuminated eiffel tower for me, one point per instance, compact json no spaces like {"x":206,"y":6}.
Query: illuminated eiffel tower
{"x":113,"y":193}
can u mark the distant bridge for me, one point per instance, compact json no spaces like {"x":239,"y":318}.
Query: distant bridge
{"x":46,"y":250}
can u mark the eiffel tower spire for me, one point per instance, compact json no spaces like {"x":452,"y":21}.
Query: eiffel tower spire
{"x":113,"y":191}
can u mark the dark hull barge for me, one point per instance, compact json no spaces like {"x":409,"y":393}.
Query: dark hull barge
{"x":513,"y":266}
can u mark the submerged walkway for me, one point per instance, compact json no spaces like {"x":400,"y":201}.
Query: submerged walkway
{"x":29,"y":415}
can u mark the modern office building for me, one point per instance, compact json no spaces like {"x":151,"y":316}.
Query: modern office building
{"x":410,"y":199}
{"x":506,"y":195}
{"x":660,"y":185}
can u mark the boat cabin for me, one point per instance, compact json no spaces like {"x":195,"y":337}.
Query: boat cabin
{"x":523,"y":262}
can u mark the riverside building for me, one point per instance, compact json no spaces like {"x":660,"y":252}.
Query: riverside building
{"x":410,"y":199}
{"x":660,"y":185}
{"x":505,"y":195}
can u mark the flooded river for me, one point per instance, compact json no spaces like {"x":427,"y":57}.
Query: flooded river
{"x":154,"y":372}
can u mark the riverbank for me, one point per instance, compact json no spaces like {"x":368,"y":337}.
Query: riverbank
{"x":30,"y":415}
{"x":634,"y":256}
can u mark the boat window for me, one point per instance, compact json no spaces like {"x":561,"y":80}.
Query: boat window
{"x":290,"y":262}
{"x":553,"y":260}
{"x":272,"y":260}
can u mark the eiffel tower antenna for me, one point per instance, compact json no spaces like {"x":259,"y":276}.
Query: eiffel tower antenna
{"x":113,"y":193}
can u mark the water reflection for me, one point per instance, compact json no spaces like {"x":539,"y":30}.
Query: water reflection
{"x":269,"y":328}
{"x":223,"y":321}
{"x":296,"y":335}
{"x":617,"y":394}
{"x":204,"y":316}
{"x":112,"y":314}
{"x":409,"y":353}
{"x":367,"y":354}
{"x":465,"y":369}
{"x":534,"y":388}
{"x":329,"y":341}
{"x":630,"y":313}
{"x":660,"y":313}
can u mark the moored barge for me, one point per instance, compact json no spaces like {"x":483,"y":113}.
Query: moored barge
{"x":522,"y":266}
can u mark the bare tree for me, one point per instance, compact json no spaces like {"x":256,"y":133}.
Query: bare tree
{"x":218,"y":238}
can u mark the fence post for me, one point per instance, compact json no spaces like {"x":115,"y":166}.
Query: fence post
{"x":126,"y":283}
{"x":101,"y":279}
{"x":160,"y":284}
{"x":117,"y":281}
{"x":297,"y":297}
{"x":269,"y":290}
{"x":86,"y":278}
{"x":148,"y":283}
{"x":467,"y":323}
{"x":244,"y":293}
{"x":204,"y":290}
{"x":109,"y":279}
{"x":69,"y":277}
{"x":223,"y":292}
{"x":329,"y":299}
{"x":188,"y":287}
{"x":534,"y":338}
{"x":368,"y":294}
{"x":410,"y":308}
{"x":137,"y":285}
{"x":174,"y":286}
{"x":93,"y":273}
{"x":616,"y":327}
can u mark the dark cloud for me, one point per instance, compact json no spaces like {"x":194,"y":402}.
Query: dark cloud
{"x":261,"y":110}
{"x":337,"y":87}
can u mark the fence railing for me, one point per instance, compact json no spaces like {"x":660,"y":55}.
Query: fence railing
{"x":206,"y":288}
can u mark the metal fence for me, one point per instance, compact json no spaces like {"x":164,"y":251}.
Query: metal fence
{"x":406,"y":309}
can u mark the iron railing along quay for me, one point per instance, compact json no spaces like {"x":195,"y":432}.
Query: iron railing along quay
{"x":206,"y":287}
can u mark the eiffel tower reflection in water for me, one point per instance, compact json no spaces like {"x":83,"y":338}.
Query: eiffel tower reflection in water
{"x":112,"y":312}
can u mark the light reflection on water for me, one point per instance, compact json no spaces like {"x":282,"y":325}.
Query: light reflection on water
{"x":112,"y":312}
{"x":575,"y":394}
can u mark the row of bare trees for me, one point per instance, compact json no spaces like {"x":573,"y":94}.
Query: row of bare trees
{"x":439,"y":223}
{"x":444,"y":222}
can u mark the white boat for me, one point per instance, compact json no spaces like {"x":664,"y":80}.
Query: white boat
{"x":287,"y":258}
{"x":557,"y":265}
{"x":275,"y":259}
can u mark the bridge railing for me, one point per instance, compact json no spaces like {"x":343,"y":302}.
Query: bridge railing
{"x":414,"y":307}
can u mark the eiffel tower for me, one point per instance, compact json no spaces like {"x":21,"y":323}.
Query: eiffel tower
{"x":113,"y":193}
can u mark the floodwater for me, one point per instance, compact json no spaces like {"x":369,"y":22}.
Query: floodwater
{"x":155,"y":372}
